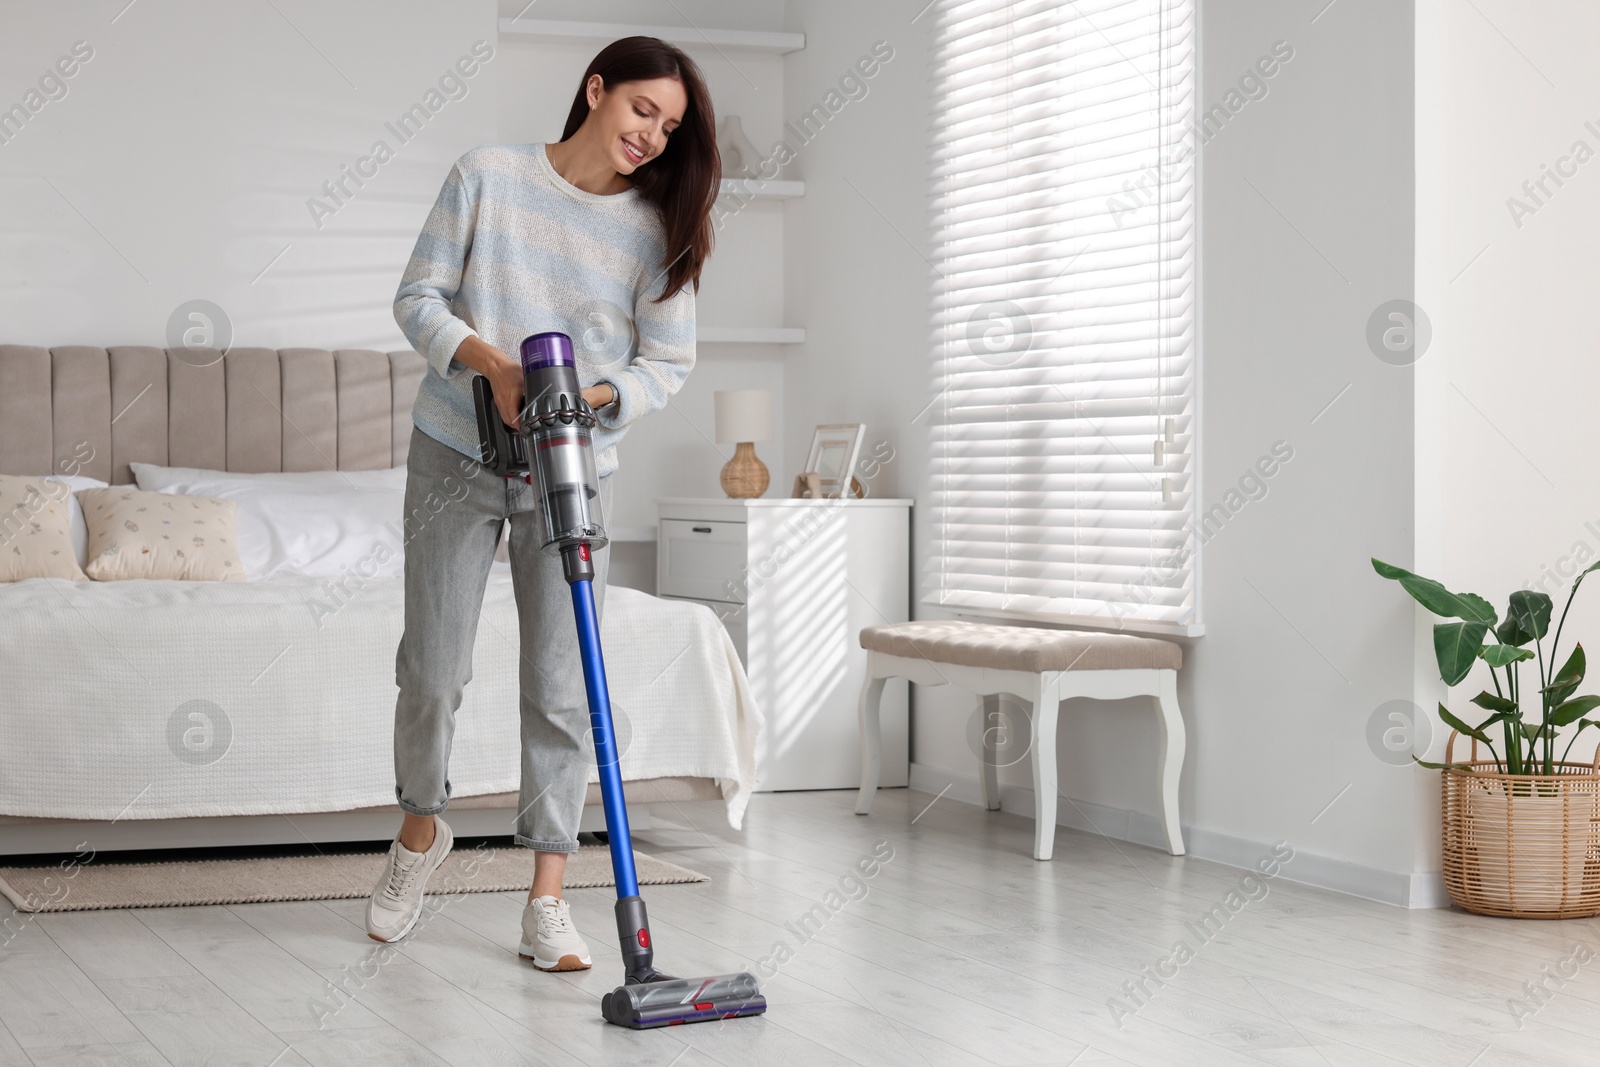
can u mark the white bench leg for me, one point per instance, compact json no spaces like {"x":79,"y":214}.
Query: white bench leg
{"x":1171,"y":762}
{"x":1046,"y":700}
{"x":987,"y":775}
{"x":871,"y":740}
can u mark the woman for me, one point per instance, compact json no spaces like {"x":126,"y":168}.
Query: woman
{"x":601,"y":237}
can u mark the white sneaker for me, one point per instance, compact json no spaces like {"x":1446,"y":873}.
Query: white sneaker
{"x":397,"y":899}
{"x":548,"y":937}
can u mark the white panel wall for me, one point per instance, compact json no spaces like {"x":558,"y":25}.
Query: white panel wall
{"x":179,"y":163}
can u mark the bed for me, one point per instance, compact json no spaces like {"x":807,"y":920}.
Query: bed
{"x":166,"y":713}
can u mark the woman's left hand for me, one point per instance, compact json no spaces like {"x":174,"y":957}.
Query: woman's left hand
{"x":599,"y":396}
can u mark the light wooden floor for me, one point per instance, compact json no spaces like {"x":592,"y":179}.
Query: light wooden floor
{"x":964,"y":951}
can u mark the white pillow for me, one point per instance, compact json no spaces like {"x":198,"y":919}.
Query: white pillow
{"x":315,"y":524}
{"x":80,"y":529}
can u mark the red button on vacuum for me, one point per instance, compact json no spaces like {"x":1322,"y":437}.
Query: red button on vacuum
{"x":644,"y":938}
{"x":583,"y":551}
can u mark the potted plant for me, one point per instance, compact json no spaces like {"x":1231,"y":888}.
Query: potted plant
{"x":1522,"y":828}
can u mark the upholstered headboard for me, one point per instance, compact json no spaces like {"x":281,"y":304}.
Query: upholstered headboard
{"x":253,"y":410}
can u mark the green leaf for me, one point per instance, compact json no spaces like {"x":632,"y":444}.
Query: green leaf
{"x":1571,"y":711}
{"x":1481,"y":609}
{"x":1531,"y":610}
{"x":1455,"y":645}
{"x":1530,"y":730}
{"x":1500,"y":655}
{"x":1460,"y":726}
{"x":1491,"y":702}
{"x":1510,"y":634}
{"x":1444,"y":766}
{"x":1564,"y":684}
{"x":1436,"y":598}
{"x":1499,"y":716}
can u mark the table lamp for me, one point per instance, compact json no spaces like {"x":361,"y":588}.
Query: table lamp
{"x":744,"y":416}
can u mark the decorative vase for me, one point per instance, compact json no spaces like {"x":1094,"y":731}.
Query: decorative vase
{"x":745,"y":475}
{"x":740,"y":158}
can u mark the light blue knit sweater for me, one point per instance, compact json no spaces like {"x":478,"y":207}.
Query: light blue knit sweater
{"x":511,"y":248}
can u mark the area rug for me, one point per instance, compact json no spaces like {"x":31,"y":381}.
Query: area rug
{"x":101,"y":884}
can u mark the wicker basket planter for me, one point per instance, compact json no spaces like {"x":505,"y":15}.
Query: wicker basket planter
{"x":1523,"y":846}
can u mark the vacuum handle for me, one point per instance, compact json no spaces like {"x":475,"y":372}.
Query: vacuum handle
{"x":501,"y":448}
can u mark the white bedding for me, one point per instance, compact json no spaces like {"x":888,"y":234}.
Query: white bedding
{"x":95,"y":709}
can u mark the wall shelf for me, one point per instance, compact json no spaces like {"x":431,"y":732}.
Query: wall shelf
{"x":750,"y":335}
{"x":750,"y":40}
{"x":755,"y":188}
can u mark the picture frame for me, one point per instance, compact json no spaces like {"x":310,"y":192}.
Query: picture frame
{"x":834,"y":449}
{"x":807,"y":486}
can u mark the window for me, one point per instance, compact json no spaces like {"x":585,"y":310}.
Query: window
{"x":1063,"y":415}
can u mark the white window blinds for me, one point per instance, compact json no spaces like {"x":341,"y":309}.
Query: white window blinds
{"x":1063,"y":412}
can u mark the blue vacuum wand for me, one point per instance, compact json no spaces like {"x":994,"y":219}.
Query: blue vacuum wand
{"x":555,"y":444}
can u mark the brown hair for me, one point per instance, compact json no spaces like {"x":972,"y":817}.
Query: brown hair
{"x":684,"y":179}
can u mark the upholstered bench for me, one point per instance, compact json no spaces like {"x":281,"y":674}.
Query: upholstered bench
{"x":1042,"y":667}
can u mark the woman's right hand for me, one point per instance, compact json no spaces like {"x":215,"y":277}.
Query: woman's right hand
{"x":506,"y":379}
{"x":504,"y":374}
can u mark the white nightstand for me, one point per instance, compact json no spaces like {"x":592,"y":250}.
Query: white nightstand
{"x":794,"y":581}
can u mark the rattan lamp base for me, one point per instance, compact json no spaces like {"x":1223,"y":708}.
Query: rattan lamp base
{"x":745,"y":475}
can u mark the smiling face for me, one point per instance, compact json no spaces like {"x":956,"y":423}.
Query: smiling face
{"x":634,"y":119}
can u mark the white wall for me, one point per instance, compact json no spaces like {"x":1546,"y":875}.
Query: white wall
{"x":1307,"y":227}
{"x":1303,"y":642}
{"x":179,"y":164}
{"x":1513,"y":374}
{"x":185,"y":150}
{"x":859,"y":274}
{"x":674,"y":452}
{"x":194,"y":162}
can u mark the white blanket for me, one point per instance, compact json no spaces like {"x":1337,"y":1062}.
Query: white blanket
{"x":161,"y":699}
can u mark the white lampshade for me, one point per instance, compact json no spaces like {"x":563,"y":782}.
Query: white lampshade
{"x":743,"y":415}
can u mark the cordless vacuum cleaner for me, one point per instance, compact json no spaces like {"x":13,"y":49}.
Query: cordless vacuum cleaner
{"x":555,"y":442}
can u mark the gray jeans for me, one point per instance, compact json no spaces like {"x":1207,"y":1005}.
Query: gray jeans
{"x":455,"y":511}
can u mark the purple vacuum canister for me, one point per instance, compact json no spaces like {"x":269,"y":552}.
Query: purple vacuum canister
{"x":546,"y":350}
{"x":559,"y":425}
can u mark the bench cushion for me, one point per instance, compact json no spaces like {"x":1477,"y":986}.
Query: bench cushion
{"x":1020,"y":648}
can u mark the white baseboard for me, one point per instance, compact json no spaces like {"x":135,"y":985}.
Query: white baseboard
{"x":1406,"y":889}
{"x":1428,"y":891}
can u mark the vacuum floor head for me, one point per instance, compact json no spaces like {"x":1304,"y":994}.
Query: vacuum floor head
{"x":684,"y":1000}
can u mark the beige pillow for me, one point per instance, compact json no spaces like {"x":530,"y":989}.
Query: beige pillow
{"x":36,"y":530}
{"x":137,"y":534}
